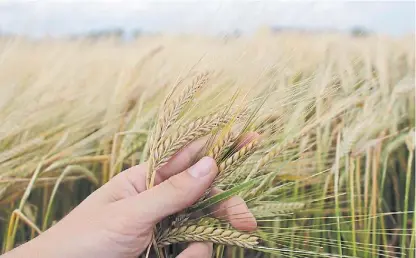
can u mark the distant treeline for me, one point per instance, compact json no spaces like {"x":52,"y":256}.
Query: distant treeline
{"x":120,"y":33}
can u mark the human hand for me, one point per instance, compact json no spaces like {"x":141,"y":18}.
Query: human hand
{"x":117,"y":220}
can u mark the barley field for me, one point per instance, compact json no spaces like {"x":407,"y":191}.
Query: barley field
{"x":331,"y":173}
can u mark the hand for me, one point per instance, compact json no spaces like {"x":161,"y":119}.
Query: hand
{"x":117,"y":220}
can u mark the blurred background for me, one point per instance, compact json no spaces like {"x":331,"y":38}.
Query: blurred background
{"x":129,"y":18}
{"x":81,"y":83}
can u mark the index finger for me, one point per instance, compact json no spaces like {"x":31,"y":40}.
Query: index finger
{"x":183,"y":159}
{"x":234,"y":210}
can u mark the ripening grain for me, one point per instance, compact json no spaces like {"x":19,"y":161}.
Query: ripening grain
{"x":314,"y":132}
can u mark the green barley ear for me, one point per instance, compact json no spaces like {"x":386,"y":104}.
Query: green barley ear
{"x":274,"y":209}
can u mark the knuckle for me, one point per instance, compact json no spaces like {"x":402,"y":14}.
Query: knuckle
{"x":188,"y":157}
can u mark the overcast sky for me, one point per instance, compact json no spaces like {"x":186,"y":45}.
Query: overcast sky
{"x":57,"y":18}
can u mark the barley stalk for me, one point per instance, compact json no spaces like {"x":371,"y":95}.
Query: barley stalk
{"x":184,"y":135}
{"x":269,"y":123}
{"x":171,"y":113}
{"x":228,"y":166}
{"x":231,"y":163}
{"x":167,"y":118}
{"x":76,"y":160}
{"x":274,"y":152}
{"x":238,"y":157}
{"x":206,"y":233}
{"x":223,"y":144}
{"x":273,"y":209}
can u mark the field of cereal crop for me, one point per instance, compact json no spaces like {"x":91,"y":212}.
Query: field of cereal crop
{"x":330,"y":175}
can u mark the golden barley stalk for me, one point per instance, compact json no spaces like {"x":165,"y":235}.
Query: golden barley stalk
{"x":170,"y":144}
{"x":171,"y":113}
{"x":168,"y":117}
{"x":76,"y":160}
{"x":276,"y":208}
{"x":274,"y":152}
{"x":237,"y":158}
{"x":186,"y":134}
{"x":206,"y":233}
{"x":227,"y":167}
{"x":268,"y":123}
{"x":221,"y":145}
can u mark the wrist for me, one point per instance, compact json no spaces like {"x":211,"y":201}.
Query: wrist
{"x":28,"y":249}
{"x":45,"y":245}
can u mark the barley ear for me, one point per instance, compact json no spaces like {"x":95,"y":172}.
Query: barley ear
{"x":207,"y":233}
{"x":218,"y":149}
{"x":168,"y":116}
{"x":274,"y":209}
{"x":230,"y":164}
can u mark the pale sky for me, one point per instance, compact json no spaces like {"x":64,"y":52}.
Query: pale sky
{"x":60,"y":18}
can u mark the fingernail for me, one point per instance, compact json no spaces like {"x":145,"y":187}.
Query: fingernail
{"x":202,"y":167}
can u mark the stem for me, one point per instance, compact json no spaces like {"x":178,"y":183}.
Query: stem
{"x":406,"y":202}
{"x":351,"y":174}
{"x":336,"y":185}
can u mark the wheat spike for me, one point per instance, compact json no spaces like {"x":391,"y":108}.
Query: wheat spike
{"x":206,"y":233}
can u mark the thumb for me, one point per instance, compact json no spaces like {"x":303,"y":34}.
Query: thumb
{"x":175,"y":194}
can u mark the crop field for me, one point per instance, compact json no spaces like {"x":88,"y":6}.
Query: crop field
{"x":329,"y":173}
